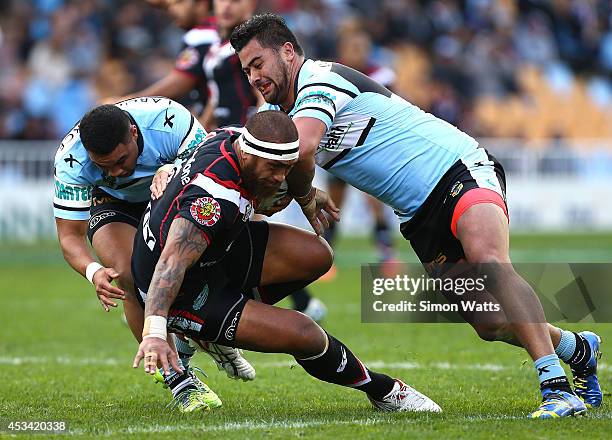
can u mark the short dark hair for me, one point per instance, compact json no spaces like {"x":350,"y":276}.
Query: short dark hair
{"x":272,"y":126}
{"x":269,"y":30}
{"x":103,"y":128}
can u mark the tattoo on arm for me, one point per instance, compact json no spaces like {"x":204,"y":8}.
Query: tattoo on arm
{"x":184,"y":246}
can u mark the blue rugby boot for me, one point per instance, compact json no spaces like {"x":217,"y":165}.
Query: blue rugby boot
{"x":558,"y":403}
{"x":584,"y":371}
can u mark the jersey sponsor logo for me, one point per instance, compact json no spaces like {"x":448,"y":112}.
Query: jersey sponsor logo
{"x":186,"y":170}
{"x":336,"y":135}
{"x":188,"y":58}
{"x":93,"y":222}
{"x":316,"y":98}
{"x":206,"y":211}
{"x":72,"y":193}
{"x":230,"y":333}
{"x":346,"y":133}
{"x":198,"y":138}
{"x":147,"y":234}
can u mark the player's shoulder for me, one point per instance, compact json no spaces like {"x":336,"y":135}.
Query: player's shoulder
{"x":143,"y":105}
{"x":71,"y":157}
{"x":200,"y":36}
{"x":156,"y":113}
{"x":324,"y":74}
{"x":382,"y":74}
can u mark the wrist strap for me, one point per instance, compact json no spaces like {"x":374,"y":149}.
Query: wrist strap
{"x":306,"y":199}
{"x":92,"y":268}
{"x":155,"y":327}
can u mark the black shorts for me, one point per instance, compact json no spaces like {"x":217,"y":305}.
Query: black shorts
{"x":214,"y":313}
{"x":431,"y":231}
{"x":107,"y":209}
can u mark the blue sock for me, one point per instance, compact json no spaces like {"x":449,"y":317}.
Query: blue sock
{"x":551,"y":373}
{"x":567,"y":346}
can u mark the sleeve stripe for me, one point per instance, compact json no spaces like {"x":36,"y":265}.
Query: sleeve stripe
{"x":328,"y":114}
{"x":188,"y":132}
{"x":69,"y":208}
{"x":219,"y":191}
{"x":331,"y":86}
{"x":320,"y":96}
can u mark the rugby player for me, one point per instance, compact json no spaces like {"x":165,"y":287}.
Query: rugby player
{"x":104,"y":174}
{"x":448,"y":192}
{"x":197,"y":257}
{"x":195,"y":17}
{"x":233,"y":100}
{"x":354,"y":50}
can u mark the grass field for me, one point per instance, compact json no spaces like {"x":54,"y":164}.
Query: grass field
{"x":63,"y":358}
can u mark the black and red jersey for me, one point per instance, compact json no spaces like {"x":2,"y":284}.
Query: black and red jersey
{"x":196,"y":43}
{"x":229,"y":88}
{"x":207,"y":190}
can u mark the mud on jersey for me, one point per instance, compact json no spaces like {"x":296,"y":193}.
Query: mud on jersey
{"x":207,"y":191}
{"x":167,"y":132}
{"x":375,"y":140}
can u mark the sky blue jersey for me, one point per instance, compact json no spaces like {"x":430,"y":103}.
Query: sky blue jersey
{"x":167,"y":132}
{"x":375,"y":140}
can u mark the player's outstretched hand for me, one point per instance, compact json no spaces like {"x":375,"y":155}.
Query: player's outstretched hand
{"x":316,"y":209}
{"x":152,"y":350}
{"x":102,"y":280}
{"x":160,"y":181}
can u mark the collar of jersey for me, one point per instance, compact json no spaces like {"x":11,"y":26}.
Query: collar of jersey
{"x":139,"y":140}
{"x":295,"y":85}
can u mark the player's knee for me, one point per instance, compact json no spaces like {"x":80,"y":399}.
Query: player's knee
{"x":486,"y":255}
{"x":125,"y":280}
{"x":320,"y":257}
{"x":308,"y":338}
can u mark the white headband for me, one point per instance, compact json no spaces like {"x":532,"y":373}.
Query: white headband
{"x":268,"y":150}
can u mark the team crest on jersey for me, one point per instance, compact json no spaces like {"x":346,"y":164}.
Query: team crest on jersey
{"x":206,"y":211}
{"x":187,"y":58}
{"x":456,"y":189}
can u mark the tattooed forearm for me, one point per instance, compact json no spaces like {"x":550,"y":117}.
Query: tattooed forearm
{"x":184,"y":246}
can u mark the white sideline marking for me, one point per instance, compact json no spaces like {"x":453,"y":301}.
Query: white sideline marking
{"x":235,"y":426}
{"x":374,"y":364}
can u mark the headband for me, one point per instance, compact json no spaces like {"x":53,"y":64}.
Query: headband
{"x":268,"y":150}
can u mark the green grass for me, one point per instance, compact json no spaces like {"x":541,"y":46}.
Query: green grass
{"x":63,"y":358}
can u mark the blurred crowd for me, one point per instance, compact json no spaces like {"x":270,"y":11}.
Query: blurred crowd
{"x":510,"y":68}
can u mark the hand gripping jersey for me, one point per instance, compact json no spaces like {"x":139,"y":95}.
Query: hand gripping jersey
{"x":375,"y":140}
{"x":167,"y":132}
{"x":207,"y":191}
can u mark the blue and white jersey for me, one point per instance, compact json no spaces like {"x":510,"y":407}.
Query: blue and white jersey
{"x":375,"y":140}
{"x":167,"y":132}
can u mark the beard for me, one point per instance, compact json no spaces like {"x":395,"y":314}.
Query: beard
{"x":281,"y":86}
{"x":259,"y":188}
